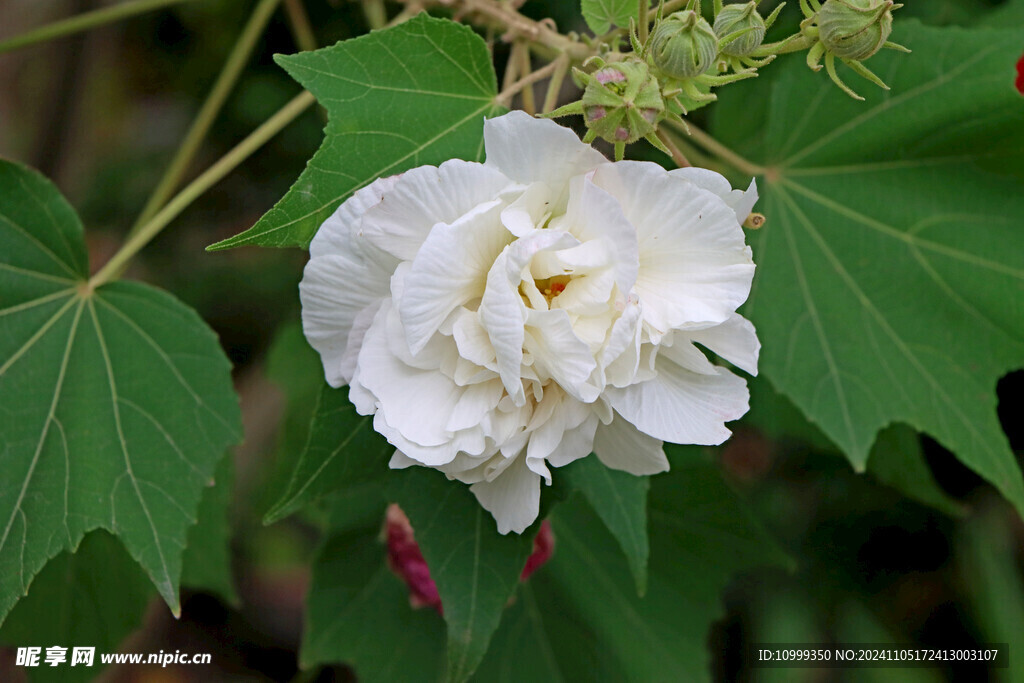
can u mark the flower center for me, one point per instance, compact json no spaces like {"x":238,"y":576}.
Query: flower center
{"x":552,"y":286}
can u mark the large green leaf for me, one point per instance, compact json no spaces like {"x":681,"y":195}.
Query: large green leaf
{"x":890,"y":280}
{"x":358,"y":612}
{"x":206,"y":564}
{"x":579,"y":617}
{"x":342,"y":451}
{"x":115,"y":404}
{"x":475,"y":568}
{"x":601,"y":15}
{"x":92,"y":598}
{"x":620,"y":500}
{"x":398,"y":98}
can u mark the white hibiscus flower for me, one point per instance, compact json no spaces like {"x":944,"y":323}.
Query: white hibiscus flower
{"x":502,"y":318}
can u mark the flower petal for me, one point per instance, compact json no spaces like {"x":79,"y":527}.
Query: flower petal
{"x":502,"y":312}
{"x":450,"y":270}
{"x":345,"y":277}
{"x":622,"y":446}
{"x":529,"y":150}
{"x":682,"y":406}
{"x":513,"y":497}
{"x":742,"y":202}
{"x":559,"y":354}
{"x":694,"y":265}
{"x":735,"y":340}
{"x":426,"y":196}
{"x":395,"y":391}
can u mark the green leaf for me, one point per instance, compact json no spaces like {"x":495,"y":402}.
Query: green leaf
{"x":991,"y":577}
{"x":206,"y":564}
{"x":358,"y":612}
{"x":1010,"y":13}
{"x":475,"y":568}
{"x":898,"y":460}
{"x":620,"y":500}
{"x":116,"y":403}
{"x":342,"y":451}
{"x":601,"y":15}
{"x":890,"y":278}
{"x":578,"y":617}
{"x":92,"y":598}
{"x":398,"y":98}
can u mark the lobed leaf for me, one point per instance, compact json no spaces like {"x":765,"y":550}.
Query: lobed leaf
{"x":601,"y":15}
{"x":115,"y":404}
{"x":398,"y":98}
{"x":890,"y":280}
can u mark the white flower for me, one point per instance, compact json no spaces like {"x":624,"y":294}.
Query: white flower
{"x":500,"y":318}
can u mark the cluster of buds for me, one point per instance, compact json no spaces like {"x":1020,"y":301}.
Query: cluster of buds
{"x":850,"y":30}
{"x":675,"y":69}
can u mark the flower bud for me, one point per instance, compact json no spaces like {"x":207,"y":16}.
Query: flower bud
{"x":683,"y":45}
{"x":855,"y":29}
{"x":736,"y":18}
{"x":622,"y":102}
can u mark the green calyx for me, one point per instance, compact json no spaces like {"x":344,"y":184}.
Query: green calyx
{"x":683,"y":45}
{"x":621,"y":103}
{"x":744,"y":20}
{"x":855,"y":29}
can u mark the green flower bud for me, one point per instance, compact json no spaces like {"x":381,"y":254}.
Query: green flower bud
{"x":683,"y":45}
{"x":622,"y":102}
{"x":855,"y":29}
{"x":736,"y":18}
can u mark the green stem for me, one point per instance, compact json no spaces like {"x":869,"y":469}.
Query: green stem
{"x":794,"y":43}
{"x":721,"y":151}
{"x":197,"y":187}
{"x":84,"y":22}
{"x":375,"y":13}
{"x":506,"y":95}
{"x":302,"y":30}
{"x":555,"y":84}
{"x":643,"y":20}
{"x":229,"y":74}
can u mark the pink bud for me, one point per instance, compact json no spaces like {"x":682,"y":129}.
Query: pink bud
{"x":406,"y":560}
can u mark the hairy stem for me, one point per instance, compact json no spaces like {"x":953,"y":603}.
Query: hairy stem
{"x":643,"y":20}
{"x":721,"y":151}
{"x":197,"y":187}
{"x":229,"y":74}
{"x":84,"y":22}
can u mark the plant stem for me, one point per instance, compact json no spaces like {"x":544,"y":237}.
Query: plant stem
{"x":525,"y":68}
{"x":677,"y":155}
{"x":197,"y":187}
{"x":506,"y":95}
{"x":643,"y":20}
{"x":302,"y":30}
{"x":375,"y":13}
{"x":555,"y":84}
{"x":232,"y":68}
{"x":84,"y":22}
{"x":721,"y":151}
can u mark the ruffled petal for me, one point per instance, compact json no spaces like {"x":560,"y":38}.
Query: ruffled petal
{"x":449,"y":271}
{"x":682,"y":406}
{"x":345,"y":277}
{"x":741,"y":201}
{"x":426,"y":196}
{"x":559,"y":354}
{"x":695,"y":268}
{"x":530,"y":150}
{"x":502,"y":312}
{"x":513,"y":497}
{"x":735,"y":340}
{"x":622,"y":446}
